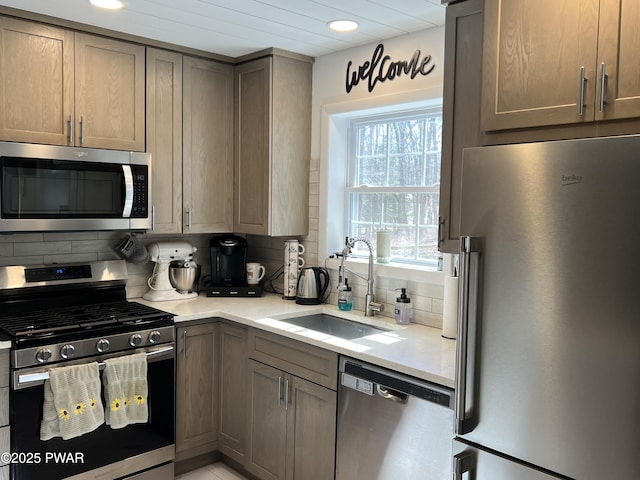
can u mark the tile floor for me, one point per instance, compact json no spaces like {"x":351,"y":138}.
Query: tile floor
{"x":217,"y":471}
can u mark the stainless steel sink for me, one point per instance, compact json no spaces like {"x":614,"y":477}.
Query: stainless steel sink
{"x":335,"y":326}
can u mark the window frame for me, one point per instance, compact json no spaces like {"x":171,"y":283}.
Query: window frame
{"x":354,"y":123}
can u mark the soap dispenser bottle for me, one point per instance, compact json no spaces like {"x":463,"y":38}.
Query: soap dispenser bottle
{"x":345,"y":301}
{"x":403,"y":310}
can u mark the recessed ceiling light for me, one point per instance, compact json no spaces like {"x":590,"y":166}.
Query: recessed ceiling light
{"x":343,"y":25}
{"x":108,"y":4}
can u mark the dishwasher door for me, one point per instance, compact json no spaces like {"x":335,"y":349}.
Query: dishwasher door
{"x":391,"y":426}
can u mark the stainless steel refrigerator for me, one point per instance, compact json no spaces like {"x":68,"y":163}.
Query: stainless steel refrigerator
{"x":548,"y":379}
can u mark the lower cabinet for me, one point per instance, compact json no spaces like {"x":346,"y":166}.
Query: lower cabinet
{"x":196,"y":390}
{"x":291,"y":426}
{"x":233,"y":392}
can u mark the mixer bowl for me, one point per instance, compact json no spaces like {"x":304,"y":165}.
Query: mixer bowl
{"x":184,"y":276}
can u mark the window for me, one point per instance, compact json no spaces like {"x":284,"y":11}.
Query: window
{"x":394,"y":182}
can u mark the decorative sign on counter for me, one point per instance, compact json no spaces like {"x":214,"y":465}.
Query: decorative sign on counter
{"x":381,"y":68}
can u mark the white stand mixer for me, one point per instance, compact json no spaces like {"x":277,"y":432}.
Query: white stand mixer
{"x":163,"y":253}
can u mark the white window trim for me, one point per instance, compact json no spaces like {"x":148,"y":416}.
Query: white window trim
{"x":333,"y":177}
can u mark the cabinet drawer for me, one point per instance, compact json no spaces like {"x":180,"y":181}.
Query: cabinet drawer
{"x":4,"y":368}
{"x":306,"y":361}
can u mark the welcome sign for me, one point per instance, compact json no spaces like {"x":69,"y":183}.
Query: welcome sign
{"x":382,"y":68}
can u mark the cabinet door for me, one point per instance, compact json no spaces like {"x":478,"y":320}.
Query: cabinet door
{"x":196,"y":395}
{"x":266,"y":422}
{"x":233,"y":391}
{"x":37,"y":78}
{"x":618,"y":48}
{"x":461,"y":111}
{"x":311,"y":431}
{"x":164,"y":137}
{"x":533,"y":55}
{"x":109,"y":93}
{"x":252,"y":146}
{"x":207,"y":146}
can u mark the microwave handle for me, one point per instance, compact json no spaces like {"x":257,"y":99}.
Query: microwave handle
{"x":128,"y":191}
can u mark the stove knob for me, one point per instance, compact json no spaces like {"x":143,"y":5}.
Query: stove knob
{"x":43,"y":355}
{"x":135,"y":340}
{"x":154,"y":337}
{"x":67,"y":351}
{"x":102,"y":345}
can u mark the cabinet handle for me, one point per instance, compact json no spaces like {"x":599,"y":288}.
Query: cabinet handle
{"x":279,"y":391}
{"x":189,"y":219}
{"x":81,"y":130}
{"x":286,"y":394}
{"x":603,"y":76}
{"x":184,"y":344}
{"x":581,"y":99}
{"x":440,"y":231}
{"x":71,"y":130}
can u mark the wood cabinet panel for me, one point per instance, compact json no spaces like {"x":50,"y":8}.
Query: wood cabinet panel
{"x":311,"y":431}
{"x":267,"y":422}
{"x":164,"y":137}
{"x":252,"y":97}
{"x":37,"y":79}
{"x":532,"y":62}
{"x":272,"y":146}
{"x":233,"y":391}
{"x":110,"y":93}
{"x":196,"y":390}
{"x":207,"y":146}
{"x":305,"y":361}
{"x":618,"y":48}
{"x":461,"y":111}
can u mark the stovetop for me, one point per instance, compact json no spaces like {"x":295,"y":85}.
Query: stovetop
{"x":77,"y":319}
{"x":46,"y":305}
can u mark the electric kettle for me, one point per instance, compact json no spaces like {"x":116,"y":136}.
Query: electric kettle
{"x":312,"y":285}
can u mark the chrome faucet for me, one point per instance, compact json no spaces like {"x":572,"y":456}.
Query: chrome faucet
{"x":371,"y":306}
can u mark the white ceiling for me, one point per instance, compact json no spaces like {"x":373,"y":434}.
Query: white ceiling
{"x":238,"y":27}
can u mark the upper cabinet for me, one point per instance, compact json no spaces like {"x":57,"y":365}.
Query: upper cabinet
{"x":109,"y":99}
{"x":164,"y":138}
{"x":189,"y":135}
{"x":272,"y":145}
{"x":66,"y":88}
{"x":207,"y":158}
{"x":461,"y":111}
{"x":555,"y":62}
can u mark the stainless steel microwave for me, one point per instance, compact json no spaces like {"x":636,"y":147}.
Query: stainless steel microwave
{"x":55,"y":188}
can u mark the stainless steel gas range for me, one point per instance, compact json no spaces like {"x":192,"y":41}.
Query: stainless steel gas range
{"x":69,"y":315}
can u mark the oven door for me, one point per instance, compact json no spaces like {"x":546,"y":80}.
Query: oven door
{"x":151,"y":443}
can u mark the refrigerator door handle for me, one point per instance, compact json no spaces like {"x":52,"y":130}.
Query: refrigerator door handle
{"x":462,"y":463}
{"x":466,"y":344}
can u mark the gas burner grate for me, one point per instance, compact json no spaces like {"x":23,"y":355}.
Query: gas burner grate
{"x":75,"y":318}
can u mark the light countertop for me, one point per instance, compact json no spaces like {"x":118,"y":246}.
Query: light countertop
{"x":412,"y":349}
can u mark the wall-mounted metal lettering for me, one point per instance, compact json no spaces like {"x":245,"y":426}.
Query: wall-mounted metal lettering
{"x":381,"y":68}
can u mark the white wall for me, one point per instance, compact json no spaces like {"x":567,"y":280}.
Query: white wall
{"x":332,"y":104}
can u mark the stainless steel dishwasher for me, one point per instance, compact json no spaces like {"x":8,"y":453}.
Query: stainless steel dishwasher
{"x":391,"y":426}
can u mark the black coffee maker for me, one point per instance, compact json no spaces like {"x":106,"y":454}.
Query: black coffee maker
{"x":228,"y":261}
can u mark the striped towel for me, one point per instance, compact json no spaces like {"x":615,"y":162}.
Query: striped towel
{"x":72,"y":405}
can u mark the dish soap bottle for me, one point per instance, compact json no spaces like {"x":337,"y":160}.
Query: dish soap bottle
{"x":403,"y":310}
{"x":345,"y":302}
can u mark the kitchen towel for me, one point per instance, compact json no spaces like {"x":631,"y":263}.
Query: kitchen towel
{"x":450,"y":307}
{"x":125,"y":390}
{"x":72,"y":405}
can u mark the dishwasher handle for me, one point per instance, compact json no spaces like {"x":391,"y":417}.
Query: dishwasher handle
{"x":393,"y":395}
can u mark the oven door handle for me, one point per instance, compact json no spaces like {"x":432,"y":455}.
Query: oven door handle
{"x":30,"y":379}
